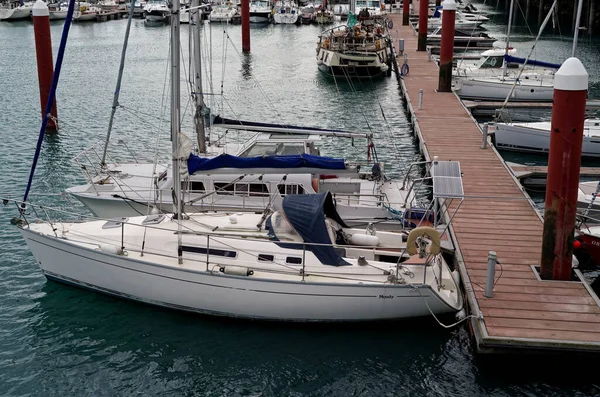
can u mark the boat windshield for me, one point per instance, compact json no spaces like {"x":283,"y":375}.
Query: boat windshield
{"x":260,"y":3}
{"x":282,"y":228}
{"x":374,"y":4}
{"x":271,"y":149}
{"x":490,"y":62}
{"x":361,"y":3}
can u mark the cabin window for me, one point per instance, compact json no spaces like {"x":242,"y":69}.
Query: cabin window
{"x":265,"y":258}
{"x":242,"y":189}
{"x":292,"y":188}
{"x":271,"y":149}
{"x":293,"y":260}
{"x":211,"y":251}
{"x":193,"y":186}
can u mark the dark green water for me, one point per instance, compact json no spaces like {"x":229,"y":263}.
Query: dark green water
{"x":57,"y":340}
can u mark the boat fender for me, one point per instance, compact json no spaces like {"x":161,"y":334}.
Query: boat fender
{"x":111,"y":249}
{"x":430,"y":233}
{"x":390,"y":24}
{"x":233,"y":219}
{"x":456,"y":277}
{"x":236,"y":270}
{"x":384,"y":68}
{"x":315,"y":184}
{"x":364,"y":240}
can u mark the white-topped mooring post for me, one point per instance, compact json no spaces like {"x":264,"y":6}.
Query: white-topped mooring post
{"x":45,"y":64}
{"x":564,"y":162}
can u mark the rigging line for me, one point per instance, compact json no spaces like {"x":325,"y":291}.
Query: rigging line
{"x":51,"y":95}
{"x":529,"y":55}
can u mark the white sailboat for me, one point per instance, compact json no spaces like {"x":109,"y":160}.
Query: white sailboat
{"x":535,"y":137}
{"x":529,"y":86}
{"x":298,"y":264}
{"x":286,"y":12}
{"x":13,"y":10}
{"x":223,"y":12}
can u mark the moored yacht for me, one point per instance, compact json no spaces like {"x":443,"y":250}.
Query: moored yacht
{"x":157,"y":11}
{"x":12,"y":10}
{"x":261,"y":11}
{"x":360,"y":51}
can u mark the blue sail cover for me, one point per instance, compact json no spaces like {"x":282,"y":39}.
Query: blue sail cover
{"x":511,"y":59}
{"x":306,"y":213}
{"x":196,"y":163}
{"x":438,"y":12}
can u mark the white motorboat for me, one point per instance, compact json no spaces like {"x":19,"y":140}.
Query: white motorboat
{"x":286,"y":12}
{"x":157,"y":11}
{"x":14,"y":10}
{"x":85,"y":12}
{"x":588,"y":201}
{"x":58,"y":11}
{"x":535,"y":137}
{"x":471,"y":22}
{"x":223,"y":12}
{"x":372,"y":6}
{"x":360,"y":51}
{"x":261,"y":11}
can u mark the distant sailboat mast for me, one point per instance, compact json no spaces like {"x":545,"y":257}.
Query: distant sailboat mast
{"x":175,"y":121}
{"x":199,"y":122}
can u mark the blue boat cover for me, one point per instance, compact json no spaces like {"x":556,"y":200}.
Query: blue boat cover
{"x":196,"y":163}
{"x":438,"y":12}
{"x":306,"y":213}
{"x":511,"y":59}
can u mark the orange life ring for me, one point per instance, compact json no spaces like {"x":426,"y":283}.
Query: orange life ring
{"x":315,"y":184}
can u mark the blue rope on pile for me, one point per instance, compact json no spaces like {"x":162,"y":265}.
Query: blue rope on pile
{"x":51,"y":95}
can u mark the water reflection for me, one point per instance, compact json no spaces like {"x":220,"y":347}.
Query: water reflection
{"x":246,"y":66}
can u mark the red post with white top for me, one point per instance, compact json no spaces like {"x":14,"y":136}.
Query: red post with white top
{"x":564,"y":162}
{"x":405,"y":11}
{"x":447,"y":45}
{"x":45,"y":64}
{"x":246,"y":25}
{"x":423,"y":17}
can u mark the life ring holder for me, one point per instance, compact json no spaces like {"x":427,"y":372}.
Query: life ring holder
{"x":430,"y":233}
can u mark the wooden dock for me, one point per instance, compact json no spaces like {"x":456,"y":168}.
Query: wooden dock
{"x":526,"y":313}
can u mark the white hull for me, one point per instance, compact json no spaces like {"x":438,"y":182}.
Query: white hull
{"x":9,"y":14}
{"x":57,"y":15}
{"x":260,"y":18}
{"x":497,"y":90}
{"x":220,"y":16}
{"x":535,"y":138}
{"x":83,"y":17}
{"x":354,"y":213}
{"x":287,"y":18}
{"x":191,"y":287}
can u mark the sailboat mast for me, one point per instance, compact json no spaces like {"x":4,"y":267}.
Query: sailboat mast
{"x":510,"y":16}
{"x":119,"y":78}
{"x":195,"y":20}
{"x":175,"y":123}
{"x":577,"y":21}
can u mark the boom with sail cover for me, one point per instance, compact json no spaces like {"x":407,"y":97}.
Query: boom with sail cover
{"x":196,"y":163}
{"x":512,"y":59}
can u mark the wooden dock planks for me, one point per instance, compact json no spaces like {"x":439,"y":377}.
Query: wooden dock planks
{"x":525,"y":311}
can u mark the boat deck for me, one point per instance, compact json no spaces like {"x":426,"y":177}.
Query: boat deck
{"x":525,"y":313}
